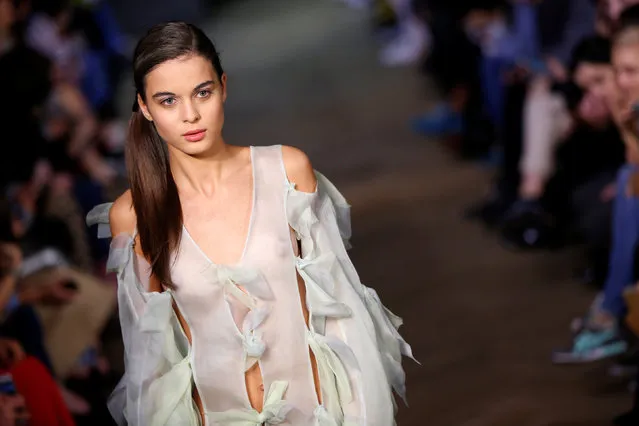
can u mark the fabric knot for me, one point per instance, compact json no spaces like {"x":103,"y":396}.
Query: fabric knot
{"x":323,"y":418}
{"x":290,"y":186}
{"x":253,"y":345}
{"x":233,"y":276}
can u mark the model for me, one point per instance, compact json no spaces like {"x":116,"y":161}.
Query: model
{"x":238,"y":303}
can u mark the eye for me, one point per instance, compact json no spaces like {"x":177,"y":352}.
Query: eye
{"x":168,"y":101}
{"x":203,"y":93}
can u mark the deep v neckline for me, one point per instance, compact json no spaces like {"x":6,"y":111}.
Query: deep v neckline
{"x":249,"y":228}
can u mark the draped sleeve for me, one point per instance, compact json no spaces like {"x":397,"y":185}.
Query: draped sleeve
{"x":156,"y":389}
{"x":321,"y":222}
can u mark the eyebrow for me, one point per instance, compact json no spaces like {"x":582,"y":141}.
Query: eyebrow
{"x":198,"y":87}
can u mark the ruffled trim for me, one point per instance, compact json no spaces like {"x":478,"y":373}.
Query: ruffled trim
{"x":391,"y":344}
{"x":334,"y":359}
{"x":99,"y":215}
{"x":156,"y":387}
{"x":320,"y":287}
{"x":302,"y":207}
{"x":321,"y":417}
{"x":303,"y":212}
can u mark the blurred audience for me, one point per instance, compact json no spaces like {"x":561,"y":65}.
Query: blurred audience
{"x":60,"y":63}
{"x":546,"y":92}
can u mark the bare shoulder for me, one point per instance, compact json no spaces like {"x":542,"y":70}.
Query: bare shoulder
{"x":299,"y":169}
{"x":122,"y":216}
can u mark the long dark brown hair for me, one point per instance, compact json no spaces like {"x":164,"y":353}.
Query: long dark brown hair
{"x":155,"y":196}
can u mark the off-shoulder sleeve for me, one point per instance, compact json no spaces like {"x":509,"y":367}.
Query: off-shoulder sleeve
{"x":156,"y":387}
{"x":321,"y":221}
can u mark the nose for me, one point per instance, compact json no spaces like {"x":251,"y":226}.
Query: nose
{"x":190,"y":113}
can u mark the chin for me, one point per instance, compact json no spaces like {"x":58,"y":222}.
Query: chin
{"x":196,"y":148}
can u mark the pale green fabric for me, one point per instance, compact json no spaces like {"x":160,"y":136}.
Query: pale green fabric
{"x":273,"y":413}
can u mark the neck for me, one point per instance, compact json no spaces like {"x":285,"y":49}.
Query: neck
{"x":203,"y":173}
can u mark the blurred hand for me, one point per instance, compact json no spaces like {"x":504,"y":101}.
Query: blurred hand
{"x":47,"y":287}
{"x":10,"y":258}
{"x":42,"y":173}
{"x":11,"y":352}
{"x":557,"y":69}
{"x":13,"y":411}
{"x":608,"y":193}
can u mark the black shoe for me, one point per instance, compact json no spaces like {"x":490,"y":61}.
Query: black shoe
{"x":527,"y":225}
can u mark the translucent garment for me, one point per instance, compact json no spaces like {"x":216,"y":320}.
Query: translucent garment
{"x":251,"y":312}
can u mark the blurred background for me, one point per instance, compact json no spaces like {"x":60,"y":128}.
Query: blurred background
{"x":488,"y":149}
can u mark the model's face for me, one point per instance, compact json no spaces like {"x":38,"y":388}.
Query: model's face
{"x":185,"y":100}
{"x":598,"y":79}
{"x":625,"y":59}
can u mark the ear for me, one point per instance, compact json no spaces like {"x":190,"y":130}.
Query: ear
{"x":223,"y":84}
{"x":144,"y":109}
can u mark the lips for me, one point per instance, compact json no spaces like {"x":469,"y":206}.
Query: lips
{"x":195,"y":135}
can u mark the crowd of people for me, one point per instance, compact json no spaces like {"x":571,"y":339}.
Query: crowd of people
{"x":547,"y":93}
{"x":60,"y":65}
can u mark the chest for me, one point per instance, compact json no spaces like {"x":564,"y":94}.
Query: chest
{"x":220,"y":225}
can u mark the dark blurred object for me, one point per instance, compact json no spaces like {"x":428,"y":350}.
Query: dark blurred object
{"x":552,"y":17}
{"x":629,"y":17}
{"x":71,"y":285}
{"x":489,"y":211}
{"x":48,"y":232}
{"x":6,"y":231}
{"x":384,"y":16}
{"x":25,"y":79}
{"x":528,"y":226}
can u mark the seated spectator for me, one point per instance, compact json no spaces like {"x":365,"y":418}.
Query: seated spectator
{"x":599,"y":336}
{"x":546,"y":119}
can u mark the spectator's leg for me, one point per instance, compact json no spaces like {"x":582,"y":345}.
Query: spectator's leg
{"x":624,"y":242}
{"x":600,"y":336}
{"x":546,"y":121}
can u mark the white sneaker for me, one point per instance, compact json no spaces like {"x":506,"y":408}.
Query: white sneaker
{"x":408,"y":48}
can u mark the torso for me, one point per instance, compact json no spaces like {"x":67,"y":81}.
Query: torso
{"x":244,"y":226}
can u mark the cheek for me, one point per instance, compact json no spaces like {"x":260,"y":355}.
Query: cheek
{"x":212,"y":113}
{"x":167,"y":125}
